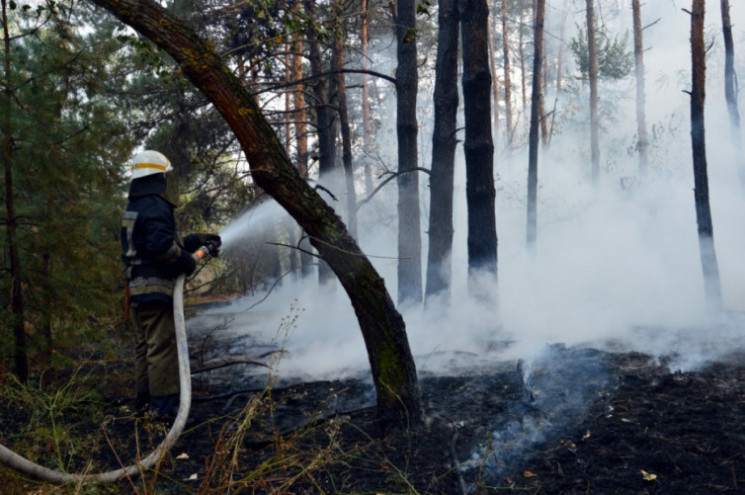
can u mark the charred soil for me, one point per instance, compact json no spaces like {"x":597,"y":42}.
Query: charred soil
{"x":573,"y":421}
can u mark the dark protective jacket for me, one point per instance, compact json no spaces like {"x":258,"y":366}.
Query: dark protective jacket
{"x":152,"y":253}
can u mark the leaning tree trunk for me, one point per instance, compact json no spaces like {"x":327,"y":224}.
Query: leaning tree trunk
{"x":698,"y":141}
{"x":409,"y":230}
{"x":593,"y":77}
{"x":730,"y":91}
{"x":641,"y":118}
{"x":478,"y":146}
{"x":383,"y":328}
{"x":535,"y":117}
{"x":11,"y":221}
{"x":443,"y":151}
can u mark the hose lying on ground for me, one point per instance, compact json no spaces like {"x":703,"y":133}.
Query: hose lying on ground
{"x":20,"y":463}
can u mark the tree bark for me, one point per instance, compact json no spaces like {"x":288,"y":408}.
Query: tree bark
{"x":535,"y":117}
{"x":479,"y":147}
{"x":593,"y":77}
{"x":730,"y":92}
{"x":323,"y":92}
{"x":17,"y":319}
{"x":494,"y":76}
{"x":641,"y":118}
{"x":301,"y":130}
{"x":698,"y":141}
{"x":346,"y":133}
{"x":383,"y":328}
{"x":444,"y":141}
{"x":507,"y":76}
{"x":366,"y":131}
{"x":521,"y":47}
{"x":409,"y":229}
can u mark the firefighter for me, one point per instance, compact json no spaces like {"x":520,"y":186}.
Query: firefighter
{"x":154,"y":257}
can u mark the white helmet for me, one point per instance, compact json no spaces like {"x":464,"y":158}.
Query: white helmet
{"x":149,"y":162}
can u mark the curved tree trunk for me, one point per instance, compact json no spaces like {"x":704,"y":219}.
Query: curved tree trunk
{"x":383,"y":328}
{"x":443,"y":151}
{"x":700,"y":173}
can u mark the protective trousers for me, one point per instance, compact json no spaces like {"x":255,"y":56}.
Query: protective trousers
{"x":156,"y":354}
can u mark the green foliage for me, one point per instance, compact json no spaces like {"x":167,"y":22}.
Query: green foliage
{"x":68,"y":144}
{"x":51,"y":413}
{"x":614,"y":60}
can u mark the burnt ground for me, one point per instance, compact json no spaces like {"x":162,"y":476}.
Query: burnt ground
{"x":572,"y":421}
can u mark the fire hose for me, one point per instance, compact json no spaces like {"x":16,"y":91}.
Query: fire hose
{"x":20,"y":463}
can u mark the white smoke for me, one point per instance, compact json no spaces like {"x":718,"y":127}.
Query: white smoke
{"x":617,"y":267}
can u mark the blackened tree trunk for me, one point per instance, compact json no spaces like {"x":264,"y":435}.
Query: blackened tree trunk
{"x":730,"y":92}
{"x":383,"y":328}
{"x":479,"y":147}
{"x":700,"y":174}
{"x":641,"y":118}
{"x":409,"y":230}
{"x":535,"y":117}
{"x":593,"y":77}
{"x":326,"y":130}
{"x":443,"y":151}
{"x":11,"y":221}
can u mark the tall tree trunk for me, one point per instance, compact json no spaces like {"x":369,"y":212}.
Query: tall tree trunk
{"x":560,"y":60}
{"x":11,"y":221}
{"x":479,"y":148}
{"x":698,"y":141}
{"x":521,"y":47}
{"x":346,"y":133}
{"x":494,"y":77}
{"x":641,"y":118}
{"x":300,"y":113}
{"x":507,"y":75}
{"x":301,"y":130}
{"x":535,"y":117}
{"x":443,"y":151}
{"x":730,"y":92}
{"x":366,"y":131}
{"x":325,"y":128}
{"x":544,"y":81}
{"x":392,"y":366}
{"x":409,"y":230}
{"x":593,"y":77}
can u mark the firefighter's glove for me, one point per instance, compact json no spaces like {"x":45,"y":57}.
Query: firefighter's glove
{"x":192,"y":242}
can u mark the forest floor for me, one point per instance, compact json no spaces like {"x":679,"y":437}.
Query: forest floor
{"x":573,"y":421}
